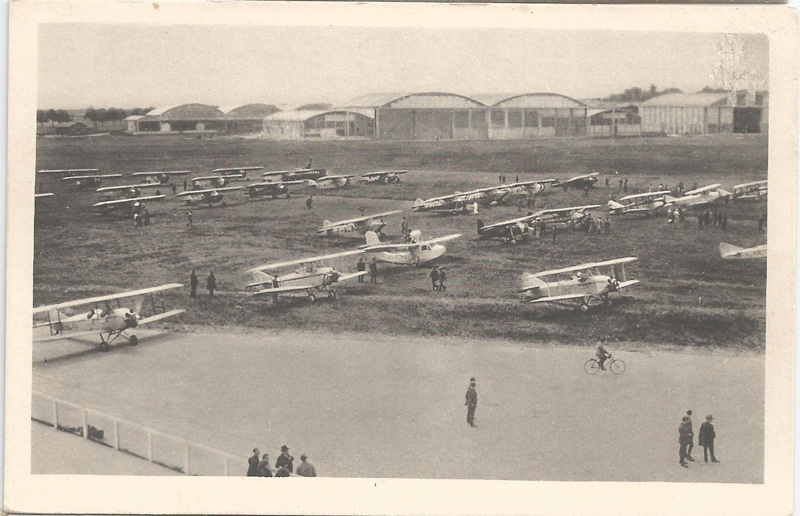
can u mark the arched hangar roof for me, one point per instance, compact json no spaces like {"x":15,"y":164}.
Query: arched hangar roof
{"x":423,"y":100}
{"x":302,"y":116}
{"x":185,"y":112}
{"x":257,"y":110}
{"x":530,"y":100}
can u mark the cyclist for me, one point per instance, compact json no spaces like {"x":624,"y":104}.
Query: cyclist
{"x":601,"y":353}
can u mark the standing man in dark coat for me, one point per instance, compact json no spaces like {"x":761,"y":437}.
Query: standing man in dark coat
{"x":435,"y":277}
{"x":361,"y":267}
{"x":211,"y":283}
{"x":373,"y":271}
{"x":193,"y":282}
{"x":691,"y":436}
{"x":471,"y":402}
{"x":285,"y":460}
{"x":706,"y":439}
{"x":252,"y":469}
{"x":683,"y":441}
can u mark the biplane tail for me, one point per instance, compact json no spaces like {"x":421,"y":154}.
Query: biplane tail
{"x":615,"y":206}
{"x":260,"y":278}
{"x":372,"y":238}
{"x":529,"y":283}
{"x":419,"y":202}
{"x":326,"y":224}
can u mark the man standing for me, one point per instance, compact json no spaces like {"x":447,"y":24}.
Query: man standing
{"x":361,"y":267}
{"x":690,"y":447}
{"x":435,"y":277}
{"x":309,"y":202}
{"x":211,"y":283}
{"x":625,"y":185}
{"x":285,"y":460}
{"x":252,"y":469}
{"x":306,"y":469}
{"x":683,"y":441}
{"x":404,"y":226}
{"x":185,"y":184}
{"x":706,"y":439}
{"x":471,"y":402}
{"x":174,"y":189}
{"x":189,"y":216}
{"x":263,"y":467}
{"x":442,"y":279}
{"x":373,"y":271}
{"x":193,"y":282}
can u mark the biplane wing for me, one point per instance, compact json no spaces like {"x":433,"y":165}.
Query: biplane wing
{"x":209,"y":191}
{"x":158,"y":317}
{"x":280,"y":265}
{"x":69,"y":171}
{"x":164,"y":173}
{"x":133,"y":200}
{"x":553,"y":299}
{"x":128,"y":187}
{"x":345,"y":277}
{"x":732,"y":252}
{"x":382,"y":173}
{"x":62,"y":336}
{"x":235,"y":169}
{"x":406,"y":245}
{"x":281,"y":290}
{"x":42,"y":195}
{"x":702,"y":189}
{"x":585,"y":266}
{"x":96,"y":176}
{"x":213,"y":178}
{"x":509,"y":222}
{"x":110,"y":297}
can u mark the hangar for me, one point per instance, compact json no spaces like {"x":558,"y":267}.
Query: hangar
{"x":705,"y":113}
{"x":320,"y":124}
{"x":247,"y":118}
{"x":451,"y":116}
{"x":180,"y":118}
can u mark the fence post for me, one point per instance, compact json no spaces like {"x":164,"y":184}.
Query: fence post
{"x":116,"y":434}
{"x":149,"y":445}
{"x":55,"y":413}
{"x":186,"y":458}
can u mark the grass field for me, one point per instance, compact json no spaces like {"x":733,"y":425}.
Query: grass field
{"x":688,"y":295}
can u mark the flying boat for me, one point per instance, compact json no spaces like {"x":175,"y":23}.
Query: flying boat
{"x":415,"y":252}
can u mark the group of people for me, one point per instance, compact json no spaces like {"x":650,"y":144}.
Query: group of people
{"x":708,"y":218}
{"x":211,"y":283}
{"x":284,"y":465}
{"x":705,"y":439}
{"x":361,"y":266}
{"x":675,"y":216}
{"x":502,"y":178}
{"x":140,"y":215}
{"x":438,"y":277}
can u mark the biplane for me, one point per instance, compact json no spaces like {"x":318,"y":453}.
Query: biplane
{"x":587,"y":284}
{"x":266,"y":188}
{"x":732,"y":252}
{"x":235,"y":173}
{"x":128,"y":191}
{"x":217,"y":181}
{"x":309,"y":275}
{"x":459,"y":202}
{"x":295,"y":174}
{"x":415,"y":252}
{"x":515,"y":229}
{"x":584,"y":181}
{"x":82,"y":177}
{"x":104,"y":319}
{"x":160,"y":177}
{"x":207,"y":196}
{"x":754,"y":191}
{"x":361,"y":225}
{"x":639,"y":204}
{"x":328,"y":182}
{"x":129,"y":204}
{"x":710,"y":194}
{"x":383,"y":177}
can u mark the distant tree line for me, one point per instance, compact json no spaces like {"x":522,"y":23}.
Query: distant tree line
{"x":101,"y":115}
{"x":637,"y":94}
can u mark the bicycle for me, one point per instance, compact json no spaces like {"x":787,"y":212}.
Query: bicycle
{"x":616,"y":366}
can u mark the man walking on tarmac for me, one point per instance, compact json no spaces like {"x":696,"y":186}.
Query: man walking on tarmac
{"x":471,"y":402}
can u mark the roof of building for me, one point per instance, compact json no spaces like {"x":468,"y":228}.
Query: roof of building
{"x":302,"y":116}
{"x":134,"y":117}
{"x":373,"y":100}
{"x":534,"y":100}
{"x":255,"y":110}
{"x":185,"y":112}
{"x":687,"y":100}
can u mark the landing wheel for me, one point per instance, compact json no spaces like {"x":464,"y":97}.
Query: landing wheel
{"x":591,"y":366}
{"x":312,"y":298}
{"x":104,"y":346}
{"x":513,"y":241}
{"x":584,"y":307}
{"x":134,"y":340}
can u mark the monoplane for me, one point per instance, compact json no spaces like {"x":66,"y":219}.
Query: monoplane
{"x":414,"y":252}
{"x":207,"y":196}
{"x":459,"y":202}
{"x":104,"y":319}
{"x":732,"y":252}
{"x":235,"y":173}
{"x":383,"y":177}
{"x":360,"y":225}
{"x":329,"y":182}
{"x":309,"y":275}
{"x":268,"y":189}
{"x":639,"y":204}
{"x":515,"y":229}
{"x":755,"y":191}
{"x":584,"y":181}
{"x":707,"y":195}
{"x":294,"y":174}
{"x":588,"y":284}
{"x":160,"y":177}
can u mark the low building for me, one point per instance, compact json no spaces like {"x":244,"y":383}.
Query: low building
{"x":181,"y":118}
{"x":73,"y":128}
{"x":246,"y":118}
{"x":320,"y":125}
{"x":706,"y":113}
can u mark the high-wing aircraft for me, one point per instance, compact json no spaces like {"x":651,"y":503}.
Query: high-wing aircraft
{"x":160,"y":177}
{"x":309,"y":275}
{"x":104,"y":319}
{"x":266,"y":188}
{"x":457,"y":202}
{"x":706,"y":195}
{"x":754,"y":191}
{"x":584,"y":181}
{"x":214,"y":181}
{"x":235,"y":173}
{"x":639,"y":204}
{"x":361,"y":225}
{"x":731,"y":252}
{"x":127,"y":204}
{"x":329,"y":182}
{"x":514,"y":229}
{"x":207,"y":196}
{"x":384,"y":177}
{"x":588,"y":284}
{"x":294,"y":174}
{"x":415,"y":252}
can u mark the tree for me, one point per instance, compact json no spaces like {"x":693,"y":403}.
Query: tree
{"x":63,"y":116}
{"x":52,"y":116}
{"x":709,"y":89}
{"x":91,"y":114}
{"x":41,"y":116}
{"x":102,"y":116}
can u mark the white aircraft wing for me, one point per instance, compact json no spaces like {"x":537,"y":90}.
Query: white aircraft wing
{"x":345,"y":277}
{"x":211,"y":178}
{"x":98,"y":176}
{"x":530,"y":183}
{"x":282,"y":172}
{"x":158,"y":317}
{"x":732,"y":252}
{"x":702,"y":189}
{"x":279,"y":265}
{"x":235,"y":169}
{"x":98,"y":299}
{"x":359,"y":219}
{"x":509,"y":222}
{"x":127,"y":187}
{"x":638,"y":210}
{"x":752,"y":183}
{"x":69,"y":335}
{"x":117,"y":202}
{"x":41,"y":195}
{"x":209,"y":190}
{"x":275,"y":184}
{"x":277,"y":290}
{"x":623,"y":284}
{"x":166,"y":173}
{"x":646,"y":194}
{"x":584,"y":267}
{"x":616,"y":261}
{"x":566,"y":210}
{"x":69,"y":171}
{"x":553,"y":299}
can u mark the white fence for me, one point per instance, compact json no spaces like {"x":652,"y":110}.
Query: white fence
{"x":149,"y":444}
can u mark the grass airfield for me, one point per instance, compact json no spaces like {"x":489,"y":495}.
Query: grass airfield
{"x":688,"y":295}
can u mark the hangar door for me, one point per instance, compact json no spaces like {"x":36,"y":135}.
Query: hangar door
{"x":746,"y":120}
{"x":433,"y":124}
{"x":395,"y":124}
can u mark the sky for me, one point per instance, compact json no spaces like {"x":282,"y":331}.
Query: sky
{"x":126,"y":66}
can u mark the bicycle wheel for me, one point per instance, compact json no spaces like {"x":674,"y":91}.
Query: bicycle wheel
{"x":617,"y":366}
{"x":591,"y":366}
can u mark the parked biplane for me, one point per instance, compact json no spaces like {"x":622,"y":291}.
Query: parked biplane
{"x":384,"y":177}
{"x":415,"y":252}
{"x":235,"y":173}
{"x":295,"y":174}
{"x":128,"y":204}
{"x":82,"y":177}
{"x":160,"y":177}
{"x":459,"y":202}
{"x":639,"y":204}
{"x":732,"y":252}
{"x":586,"y":284}
{"x":754,"y":191}
{"x":128,"y":191}
{"x":207,"y":196}
{"x":104,"y":319}
{"x":328,"y":182}
{"x":584,"y":181}
{"x":311,"y":276}
{"x":217,"y":181}
{"x":265,"y":188}
{"x":710,"y":194}
{"x":515,"y":229}
{"x":361,"y":225}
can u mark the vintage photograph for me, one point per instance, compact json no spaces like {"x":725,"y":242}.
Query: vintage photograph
{"x":401,"y":252}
